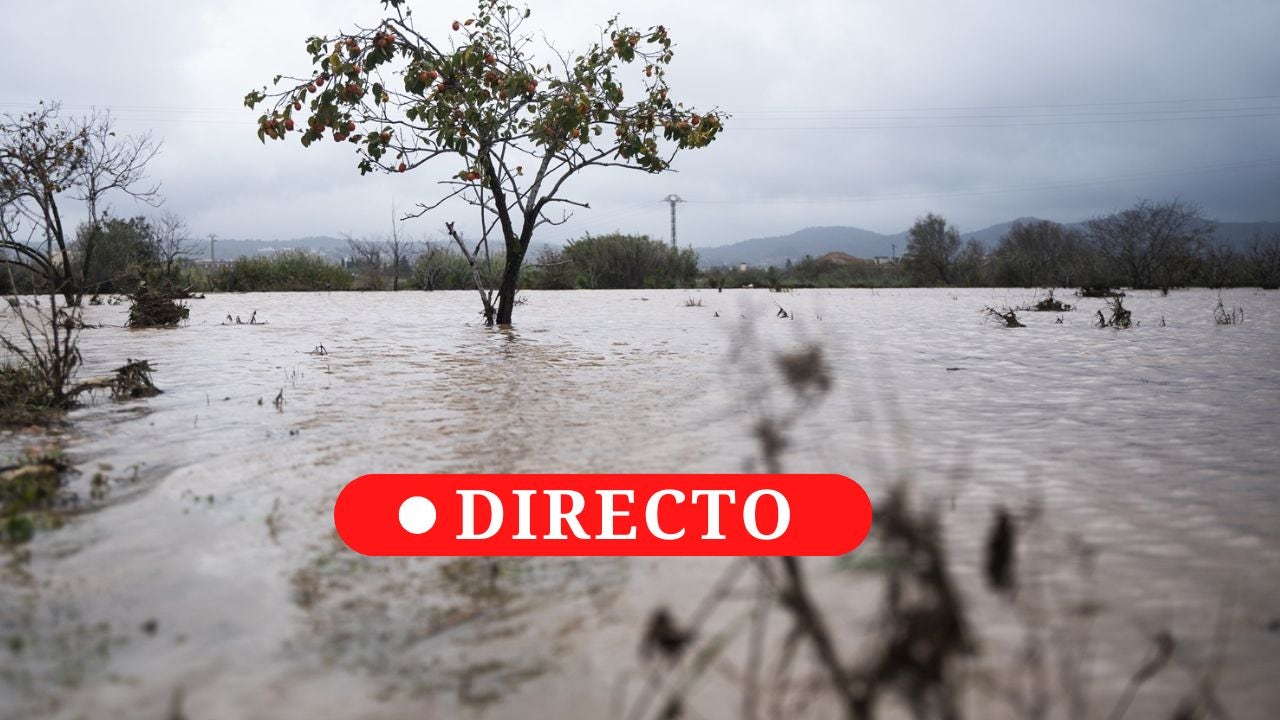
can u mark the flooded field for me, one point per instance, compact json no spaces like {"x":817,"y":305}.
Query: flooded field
{"x":201,"y":578}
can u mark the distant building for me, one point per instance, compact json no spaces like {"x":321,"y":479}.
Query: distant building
{"x":208,"y":264}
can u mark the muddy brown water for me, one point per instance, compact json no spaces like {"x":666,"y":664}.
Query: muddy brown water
{"x":209,"y":577}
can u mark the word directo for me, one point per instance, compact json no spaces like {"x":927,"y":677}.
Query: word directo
{"x":598,"y":515}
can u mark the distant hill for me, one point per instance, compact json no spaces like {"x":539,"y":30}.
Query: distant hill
{"x":859,"y":243}
{"x":816,"y":241}
{"x":1240,"y":236}
{"x":810,"y":241}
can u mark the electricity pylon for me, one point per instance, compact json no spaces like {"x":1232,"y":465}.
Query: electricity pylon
{"x":673,"y":200}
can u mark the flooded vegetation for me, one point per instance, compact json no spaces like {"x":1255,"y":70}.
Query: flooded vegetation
{"x":1064,"y":518}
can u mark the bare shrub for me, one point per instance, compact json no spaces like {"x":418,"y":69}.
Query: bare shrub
{"x":1048,"y":304}
{"x":1117,"y":316}
{"x":1223,"y":316}
{"x":1006,"y":316}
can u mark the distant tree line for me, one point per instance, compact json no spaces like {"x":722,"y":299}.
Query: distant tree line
{"x":591,"y":262}
{"x":833,"y":270}
{"x":1150,"y":245}
{"x":290,"y":271}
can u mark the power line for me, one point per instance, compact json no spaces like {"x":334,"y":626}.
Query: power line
{"x":817,"y":111}
{"x":1141,"y":111}
{"x":1124,"y":103}
{"x":1046,"y":116}
{"x":1051,"y":123}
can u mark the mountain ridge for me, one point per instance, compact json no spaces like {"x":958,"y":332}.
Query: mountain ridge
{"x":775,"y":250}
{"x":858,"y":242}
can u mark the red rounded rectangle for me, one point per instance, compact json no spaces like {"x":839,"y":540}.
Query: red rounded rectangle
{"x":602,"y":515}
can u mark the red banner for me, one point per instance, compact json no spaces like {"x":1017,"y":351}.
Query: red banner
{"x":602,"y":515}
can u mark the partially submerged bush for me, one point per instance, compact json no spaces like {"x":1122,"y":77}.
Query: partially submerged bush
{"x":1223,"y":316}
{"x":1007,"y":316}
{"x":155,"y":308}
{"x":133,"y":380}
{"x":1120,"y":317}
{"x":130,"y":382}
{"x":1099,"y":291}
{"x":1048,"y":305}
{"x":24,"y":398}
{"x":42,"y":357}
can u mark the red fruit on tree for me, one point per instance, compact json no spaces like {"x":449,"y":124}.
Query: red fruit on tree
{"x":319,"y":81}
{"x":457,"y":26}
{"x":288,"y":123}
{"x":402,"y":167}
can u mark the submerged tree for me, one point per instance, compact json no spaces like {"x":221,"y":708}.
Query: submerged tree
{"x":1154,"y":244}
{"x":1040,"y":253}
{"x":933,"y":251}
{"x":516,"y":126}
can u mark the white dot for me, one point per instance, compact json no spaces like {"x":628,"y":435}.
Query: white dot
{"x":417,"y":515}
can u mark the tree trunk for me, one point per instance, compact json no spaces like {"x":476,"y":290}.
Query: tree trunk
{"x":510,"y":283}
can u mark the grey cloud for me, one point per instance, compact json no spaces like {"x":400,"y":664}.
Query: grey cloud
{"x":1033,"y":96}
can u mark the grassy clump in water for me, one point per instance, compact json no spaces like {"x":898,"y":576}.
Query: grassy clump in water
{"x":24,"y":397}
{"x":30,"y":491}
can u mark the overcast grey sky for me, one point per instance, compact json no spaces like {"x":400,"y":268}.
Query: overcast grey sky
{"x":862,"y":112}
